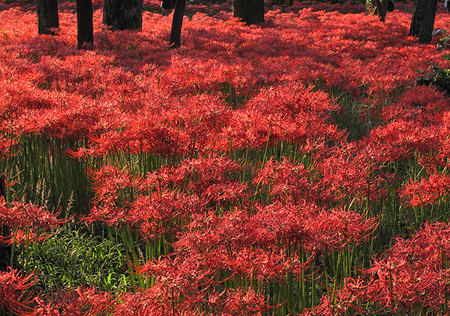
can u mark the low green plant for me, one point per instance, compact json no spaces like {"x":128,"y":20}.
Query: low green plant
{"x":77,"y":256}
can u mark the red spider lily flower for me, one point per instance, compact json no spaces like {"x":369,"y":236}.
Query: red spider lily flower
{"x":12,"y":290}
{"x":244,"y":302}
{"x":23,"y":237}
{"x":339,"y":227}
{"x":211,"y":178}
{"x":412,"y":275}
{"x":25,"y":216}
{"x":407,"y":137}
{"x":78,"y":302}
{"x":350,"y":172}
{"x":6,"y":146}
{"x":181,"y":283}
{"x":109,"y":180}
{"x":433,"y":189}
{"x":422,"y":104}
{"x":107,"y":213}
{"x":286,"y":181}
{"x":112,"y":188}
{"x":204,"y":172}
{"x":157,"y":214}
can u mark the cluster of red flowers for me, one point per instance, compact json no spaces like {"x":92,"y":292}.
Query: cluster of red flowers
{"x":257,"y":184}
{"x":13,"y":286}
{"x":30,"y":222}
{"x":412,"y":275}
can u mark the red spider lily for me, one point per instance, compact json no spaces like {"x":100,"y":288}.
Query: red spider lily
{"x":156,"y":214}
{"x":255,"y":246}
{"x":433,"y":189}
{"x":109,"y":180}
{"x":25,"y":216}
{"x":414,"y":272}
{"x":339,"y":227}
{"x":286,"y":181}
{"x":293,"y":113}
{"x":23,"y":237}
{"x":327,"y":307}
{"x":405,"y":137}
{"x":412,"y":275}
{"x":194,"y":175}
{"x":6,"y":146}
{"x":183,"y":285}
{"x":239,"y":245}
{"x":348,"y":172}
{"x":211,"y":178}
{"x":112,"y":187}
{"x":238,"y":302}
{"x":423,"y":105}
{"x":79,"y":302}
{"x":244,"y":302}
{"x":180,"y":286}
{"x":417,"y":123}
{"x":13,"y":287}
{"x":186,"y":126}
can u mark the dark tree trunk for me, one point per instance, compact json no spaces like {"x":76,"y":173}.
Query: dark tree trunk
{"x":85,"y":24}
{"x":5,"y":251}
{"x":422,"y":22}
{"x":123,"y":14}
{"x":249,"y":11}
{"x":47,"y":12}
{"x":381,"y":7}
{"x":177,"y":23}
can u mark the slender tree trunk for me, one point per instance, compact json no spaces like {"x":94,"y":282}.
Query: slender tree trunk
{"x":422,"y":22}
{"x":381,"y":8}
{"x":5,"y":251}
{"x":123,"y":14}
{"x":47,"y":12}
{"x":249,"y":11}
{"x":177,"y":23}
{"x":85,"y":24}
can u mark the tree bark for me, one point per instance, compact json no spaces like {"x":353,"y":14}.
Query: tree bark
{"x":249,"y":11}
{"x":47,"y":12}
{"x":422,"y":22}
{"x":123,"y":14}
{"x":177,"y":23}
{"x":381,"y":7}
{"x":85,"y":24}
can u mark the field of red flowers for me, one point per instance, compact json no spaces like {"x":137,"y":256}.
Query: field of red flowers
{"x":287,"y":168}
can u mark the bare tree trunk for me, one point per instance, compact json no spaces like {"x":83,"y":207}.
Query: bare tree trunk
{"x":381,"y":8}
{"x":249,"y":11}
{"x":47,"y":12}
{"x":422,"y":22}
{"x":177,"y":23}
{"x":123,"y":14}
{"x":85,"y":24}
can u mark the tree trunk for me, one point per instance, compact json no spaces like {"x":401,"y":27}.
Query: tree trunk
{"x":5,"y":251}
{"x":85,"y":24}
{"x":47,"y":12}
{"x":177,"y":23}
{"x":381,"y":7}
{"x":422,"y":22}
{"x":123,"y":14}
{"x":249,"y":11}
